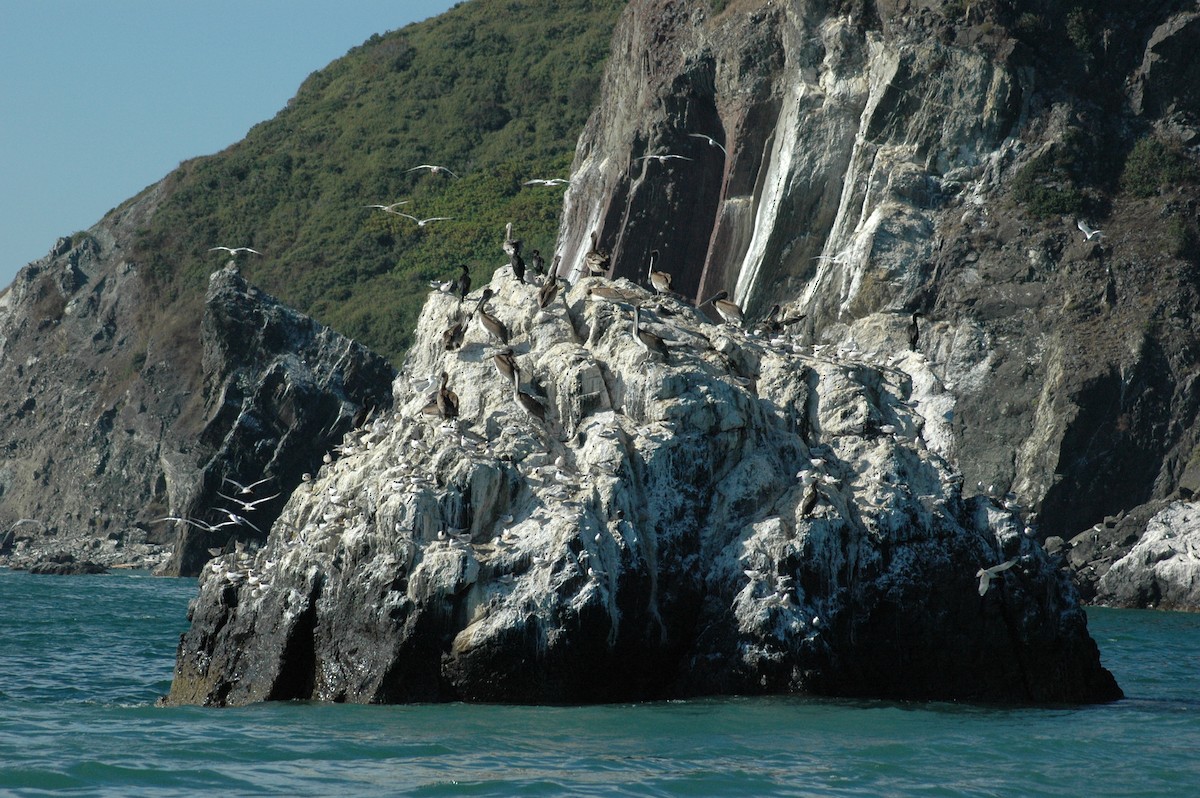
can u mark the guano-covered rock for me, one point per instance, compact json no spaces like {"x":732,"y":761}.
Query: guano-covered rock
{"x":731,"y":512}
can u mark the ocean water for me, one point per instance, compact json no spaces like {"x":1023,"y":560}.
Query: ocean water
{"x":82,"y":660}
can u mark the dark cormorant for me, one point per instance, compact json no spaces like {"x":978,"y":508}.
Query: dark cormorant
{"x":914,"y":331}
{"x":537,"y":262}
{"x":464,"y":282}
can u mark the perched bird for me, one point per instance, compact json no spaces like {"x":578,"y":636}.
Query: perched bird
{"x":506,"y":363}
{"x":453,"y":336}
{"x":423,"y":222}
{"x":447,"y":400}
{"x":436,"y":170}
{"x":510,"y":244}
{"x":1088,"y":233}
{"x":596,"y":260}
{"x":726,"y":309}
{"x":548,"y":292}
{"x":529,"y":404}
{"x":517,"y":262}
{"x":659,"y":281}
{"x":537,"y":262}
{"x":809,"y":502}
{"x":646,"y":339}
{"x":914,"y":331}
{"x":490,"y":323}
{"x":985,"y":574}
{"x":464,"y":282}
{"x":233,"y":251}
{"x":711,"y":142}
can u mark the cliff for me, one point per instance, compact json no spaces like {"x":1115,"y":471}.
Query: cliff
{"x":716,"y":511}
{"x":860,"y":162}
{"x":118,"y":414}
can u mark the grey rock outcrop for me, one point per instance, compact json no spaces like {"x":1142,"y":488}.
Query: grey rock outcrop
{"x":1162,"y":570}
{"x":115,"y":416}
{"x":739,"y":514}
{"x":869,"y":164}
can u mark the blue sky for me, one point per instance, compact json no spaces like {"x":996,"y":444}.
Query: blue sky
{"x":101,"y":98}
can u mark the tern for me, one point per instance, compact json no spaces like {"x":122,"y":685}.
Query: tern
{"x":1088,"y":233}
{"x":246,"y":489}
{"x":437,"y":170}
{"x":389,"y":208}
{"x":233,"y":251}
{"x":248,"y":506}
{"x":985,"y":574}
{"x":553,"y":181}
{"x":711,"y":141}
{"x":423,"y":222}
{"x":663,"y":158}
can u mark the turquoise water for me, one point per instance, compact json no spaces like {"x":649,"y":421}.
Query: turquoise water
{"x":82,"y":660}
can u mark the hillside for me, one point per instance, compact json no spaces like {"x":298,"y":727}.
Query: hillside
{"x":120,"y":410}
{"x":495,"y":91}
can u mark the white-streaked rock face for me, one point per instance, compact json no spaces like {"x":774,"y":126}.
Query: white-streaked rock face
{"x":741,"y":515}
{"x":1163,"y":568}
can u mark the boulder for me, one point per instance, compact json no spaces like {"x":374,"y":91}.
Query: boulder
{"x":1162,"y":570}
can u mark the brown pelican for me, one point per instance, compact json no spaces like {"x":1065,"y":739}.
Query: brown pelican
{"x":447,"y":400}
{"x":452,"y":338}
{"x":510,"y":244}
{"x":659,"y":281}
{"x":729,"y":311}
{"x":490,"y":322}
{"x":646,"y":339}
{"x":596,"y":259}
{"x":531,"y":406}
{"x":506,"y":364}
{"x":548,"y":292}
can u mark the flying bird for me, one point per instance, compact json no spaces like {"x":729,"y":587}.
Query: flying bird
{"x":711,"y":142}
{"x":423,"y":222}
{"x":985,"y":574}
{"x":663,"y":158}
{"x":553,"y":181}
{"x":389,"y":208}
{"x":246,"y":489}
{"x":233,"y":251}
{"x":436,"y":170}
{"x":1088,"y":233}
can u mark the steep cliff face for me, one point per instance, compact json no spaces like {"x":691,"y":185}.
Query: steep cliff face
{"x":709,"y":512}
{"x":115,"y":415}
{"x":872,"y":160}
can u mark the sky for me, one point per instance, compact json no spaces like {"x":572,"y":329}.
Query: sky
{"x":101,"y":98}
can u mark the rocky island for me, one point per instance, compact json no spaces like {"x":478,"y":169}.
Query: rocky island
{"x":691,"y":510}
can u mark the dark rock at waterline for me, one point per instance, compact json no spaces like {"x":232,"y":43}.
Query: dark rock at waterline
{"x":66,"y":565}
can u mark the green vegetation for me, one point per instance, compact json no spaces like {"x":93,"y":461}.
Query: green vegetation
{"x":495,"y":90}
{"x":1046,"y":186}
{"x":1153,"y":165}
